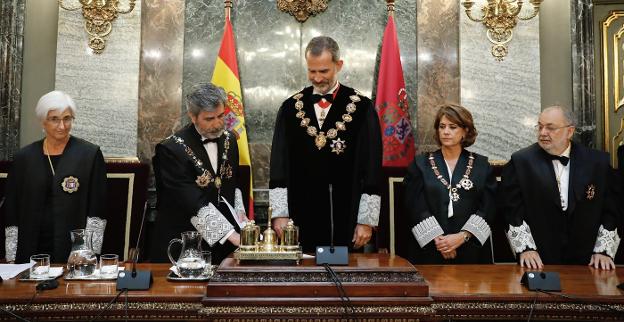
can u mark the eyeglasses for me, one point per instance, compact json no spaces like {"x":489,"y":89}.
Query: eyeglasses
{"x":56,"y":121}
{"x":549,"y":128}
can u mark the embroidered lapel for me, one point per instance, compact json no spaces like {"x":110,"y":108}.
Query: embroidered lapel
{"x":545,"y":171}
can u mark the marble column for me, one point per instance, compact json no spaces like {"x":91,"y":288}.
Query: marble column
{"x":104,"y":86}
{"x":503,"y":96}
{"x":12,"y":33}
{"x":583,"y":83}
{"x":160,"y":78}
{"x":438,"y":64}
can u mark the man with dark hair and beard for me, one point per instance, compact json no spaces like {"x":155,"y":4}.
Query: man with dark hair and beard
{"x":195,"y":171}
{"x":326,"y":134}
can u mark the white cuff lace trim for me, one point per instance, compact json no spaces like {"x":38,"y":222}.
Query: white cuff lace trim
{"x":239,"y":205}
{"x":368,"y":212}
{"x":97,"y":225}
{"x":10,"y":243}
{"x":478,"y":227}
{"x":520,"y":238}
{"x":607,"y":241}
{"x":278,"y":199}
{"x":211,"y":224}
{"x":427,"y":230}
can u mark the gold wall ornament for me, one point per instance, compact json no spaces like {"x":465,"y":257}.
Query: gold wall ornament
{"x":99,"y":16}
{"x":302,"y":9}
{"x":500,"y":17}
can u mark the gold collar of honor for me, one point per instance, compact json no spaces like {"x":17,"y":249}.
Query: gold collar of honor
{"x":320,"y":138}
{"x":464,"y":183}
{"x":206,"y":178}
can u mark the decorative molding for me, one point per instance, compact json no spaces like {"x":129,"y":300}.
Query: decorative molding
{"x":313,"y":277}
{"x":302,"y":9}
{"x":612,"y":46}
{"x":99,"y":16}
{"x":317,"y":311}
{"x":130,"y":177}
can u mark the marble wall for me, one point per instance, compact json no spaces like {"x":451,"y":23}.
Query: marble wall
{"x":11,"y":35}
{"x":160,"y":78}
{"x":104,"y":86}
{"x":503,"y":96}
{"x":438,"y":64}
{"x":270,"y":46}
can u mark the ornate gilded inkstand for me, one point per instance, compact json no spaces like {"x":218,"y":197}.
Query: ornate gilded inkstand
{"x":252,"y":247}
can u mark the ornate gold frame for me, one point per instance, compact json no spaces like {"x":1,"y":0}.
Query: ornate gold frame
{"x":302,"y":9}
{"x":611,"y":142}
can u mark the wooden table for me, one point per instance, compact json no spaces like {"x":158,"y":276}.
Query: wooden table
{"x":494,"y":292}
{"x":475,"y":292}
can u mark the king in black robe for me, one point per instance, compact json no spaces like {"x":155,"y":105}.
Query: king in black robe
{"x":351,"y":162}
{"x":40,"y":213}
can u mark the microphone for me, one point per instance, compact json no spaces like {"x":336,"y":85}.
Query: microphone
{"x":332,"y":255}
{"x":2,"y":201}
{"x":135,"y":280}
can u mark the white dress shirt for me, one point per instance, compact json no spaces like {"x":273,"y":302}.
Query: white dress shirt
{"x":319,"y":110}
{"x":562,"y":175}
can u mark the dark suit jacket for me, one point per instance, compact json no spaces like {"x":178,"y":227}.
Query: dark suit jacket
{"x":529,"y":192}
{"x":179,"y":196}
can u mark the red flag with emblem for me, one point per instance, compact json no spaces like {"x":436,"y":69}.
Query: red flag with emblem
{"x":391,"y":103}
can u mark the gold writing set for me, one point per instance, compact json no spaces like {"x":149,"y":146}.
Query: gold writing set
{"x":266,"y":246}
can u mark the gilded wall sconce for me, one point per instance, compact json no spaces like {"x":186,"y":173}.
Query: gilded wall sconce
{"x":302,"y":9}
{"x":99,"y":16}
{"x":500,"y":17}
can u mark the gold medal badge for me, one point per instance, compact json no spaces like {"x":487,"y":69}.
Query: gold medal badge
{"x":70,"y":184}
{"x":591,"y":192}
{"x":204,"y":179}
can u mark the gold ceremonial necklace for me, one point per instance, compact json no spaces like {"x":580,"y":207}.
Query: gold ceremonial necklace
{"x":464,"y":183}
{"x":45,"y":149}
{"x":320,"y":138}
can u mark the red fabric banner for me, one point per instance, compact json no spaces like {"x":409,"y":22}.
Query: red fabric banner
{"x":391,"y":103}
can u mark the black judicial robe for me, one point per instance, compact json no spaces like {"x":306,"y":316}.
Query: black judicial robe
{"x":298,"y":165}
{"x":179,"y":196}
{"x":426,"y":196}
{"x":27,"y":193}
{"x":529,"y":192}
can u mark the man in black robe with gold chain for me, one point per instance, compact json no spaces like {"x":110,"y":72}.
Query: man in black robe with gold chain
{"x":326,"y":134}
{"x":196,"y":179}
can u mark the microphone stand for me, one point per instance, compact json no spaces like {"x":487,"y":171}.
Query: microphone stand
{"x":135,"y":280}
{"x":332,"y":255}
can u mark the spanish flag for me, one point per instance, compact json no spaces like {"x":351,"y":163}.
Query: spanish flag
{"x":226,"y":75}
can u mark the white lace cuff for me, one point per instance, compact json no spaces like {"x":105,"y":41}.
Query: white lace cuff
{"x":478,"y":227}
{"x":520,"y":238}
{"x":10,"y":243}
{"x":607,"y":241}
{"x":278,"y":199}
{"x":239,"y":205}
{"x":368,"y":212}
{"x":97,"y":225}
{"x":426,"y":231}
{"x":211,"y":224}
